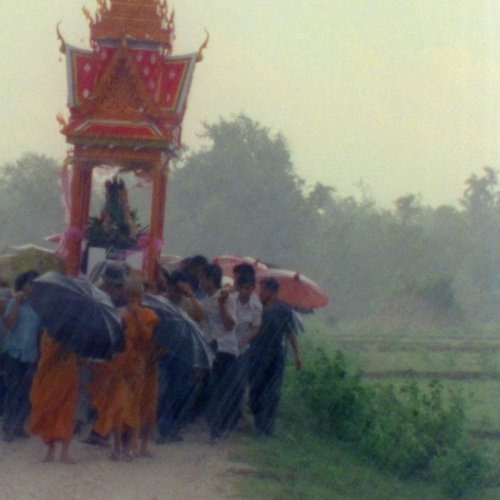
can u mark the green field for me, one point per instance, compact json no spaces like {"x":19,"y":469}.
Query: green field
{"x":467,"y":360}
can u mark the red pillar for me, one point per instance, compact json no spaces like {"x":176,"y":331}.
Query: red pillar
{"x":81,"y":185}
{"x":86,"y":194}
{"x":158,"y":201}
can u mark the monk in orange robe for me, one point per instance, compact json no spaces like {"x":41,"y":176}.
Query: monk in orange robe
{"x":53,"y":397}
{"x":143,"y":382}
{"x":149,"y":397}
{"x":123,"y":381}
{"x":108,"y":393}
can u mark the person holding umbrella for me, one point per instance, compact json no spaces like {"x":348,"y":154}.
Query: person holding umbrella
{"x":126,"y":400}
{"x":267,"y":356}
{"x":21,"y":349}
{"x":176,"y":387}
{"x":93,"y":376}
{"x":54,"y":396}
{"x":81,"y":322}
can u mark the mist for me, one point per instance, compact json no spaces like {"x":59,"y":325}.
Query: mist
{"x":241,"y":194}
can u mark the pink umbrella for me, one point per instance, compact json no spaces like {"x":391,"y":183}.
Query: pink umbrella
{"x":227,"y":263}
{"x":296,"y":290}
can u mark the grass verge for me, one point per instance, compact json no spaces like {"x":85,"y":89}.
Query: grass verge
{"x":339,"y":439}
{"x":297,"y":464}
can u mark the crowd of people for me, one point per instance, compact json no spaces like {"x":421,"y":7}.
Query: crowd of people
{"x":145,"y":391}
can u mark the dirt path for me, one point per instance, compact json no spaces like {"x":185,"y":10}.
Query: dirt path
{"x":191,"y":469}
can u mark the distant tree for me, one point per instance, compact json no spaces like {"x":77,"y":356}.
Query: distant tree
{"x":480,"y":272}
{"x":481,"y":197}
{"x":30,"y":206}
{"x":321,"y":199}
{"x":239,"y":194}
{"x":408,"y":208}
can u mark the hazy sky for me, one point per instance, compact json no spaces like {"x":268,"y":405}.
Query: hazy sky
{"x":401,"y":94}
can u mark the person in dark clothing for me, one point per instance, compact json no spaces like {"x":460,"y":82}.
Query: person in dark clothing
{"x":218,"y":324}
{"x":5,"y":296}
{"x":267,"y":357}
{"x":193,"y":269}
{"x":21,"y":349}
{"x":174,"y":393}
{"x":176,"y":389}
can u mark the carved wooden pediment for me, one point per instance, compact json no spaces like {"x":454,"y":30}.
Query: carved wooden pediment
{"x":121,"y":93}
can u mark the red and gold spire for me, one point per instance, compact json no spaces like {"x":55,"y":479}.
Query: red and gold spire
{"x":129,"y":90}
{"x":127,"y":98}
{"x":138,"y":20}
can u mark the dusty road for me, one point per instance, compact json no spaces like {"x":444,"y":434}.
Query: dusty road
{"x":191,"y":469}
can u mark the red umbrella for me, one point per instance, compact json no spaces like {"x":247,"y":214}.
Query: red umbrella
{"x":227,"y":263}
{"x":296,"y":290}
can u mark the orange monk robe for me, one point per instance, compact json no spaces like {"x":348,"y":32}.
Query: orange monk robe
{"x":118,"y":385}
{"x":142,"y":374}
{"x":109,"y":394}
{"x":54,"y":393}
{"x":149,"y":397}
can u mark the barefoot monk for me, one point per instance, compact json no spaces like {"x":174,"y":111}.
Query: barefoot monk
{"x":54,"y":395}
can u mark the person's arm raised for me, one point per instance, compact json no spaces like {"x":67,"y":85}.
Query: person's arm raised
{"x":198,"y":312}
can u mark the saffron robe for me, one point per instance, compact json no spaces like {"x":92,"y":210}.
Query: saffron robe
{"x":54,"y":393}
{"x":119,"y":385}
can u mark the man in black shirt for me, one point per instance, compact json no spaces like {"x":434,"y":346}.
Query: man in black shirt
{"x":267,"y":356}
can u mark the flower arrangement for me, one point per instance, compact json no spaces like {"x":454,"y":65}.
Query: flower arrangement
{"x":117,"y":224}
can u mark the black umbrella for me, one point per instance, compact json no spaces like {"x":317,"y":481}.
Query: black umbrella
{"x":178,"y":333}
{"x":78,"y":315}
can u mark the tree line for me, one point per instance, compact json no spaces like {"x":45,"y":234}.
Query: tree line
{"x":241,"y":194}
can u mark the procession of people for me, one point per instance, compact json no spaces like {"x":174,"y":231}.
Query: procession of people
{"x":149,"y":387}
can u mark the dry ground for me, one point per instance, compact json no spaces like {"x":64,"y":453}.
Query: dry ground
{"x":191,"y":469}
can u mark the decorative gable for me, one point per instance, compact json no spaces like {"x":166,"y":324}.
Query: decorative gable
{"x":120,"y":92}
{"x":128,"y":89}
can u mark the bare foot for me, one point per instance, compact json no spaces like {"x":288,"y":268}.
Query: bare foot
{"x":115,"y":456}
{"x":66,"y":459}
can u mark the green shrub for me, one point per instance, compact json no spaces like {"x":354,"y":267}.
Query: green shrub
{"x":459,"y":469}
{"x":409,"y":426}
{"x":408,"y":430}
{"x":334,"y":398}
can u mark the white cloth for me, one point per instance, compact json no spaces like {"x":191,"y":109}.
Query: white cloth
{"x":212,"y":324}
{"x":248,"y":317}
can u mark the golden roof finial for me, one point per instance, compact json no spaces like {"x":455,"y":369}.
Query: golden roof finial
{"x":102,"y":5}
{"x":140,"y":20}
{"x":62,"y":47}
{"x":204,"y":45}
{"x":62,"y":121}
{"x":89,"y":17}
